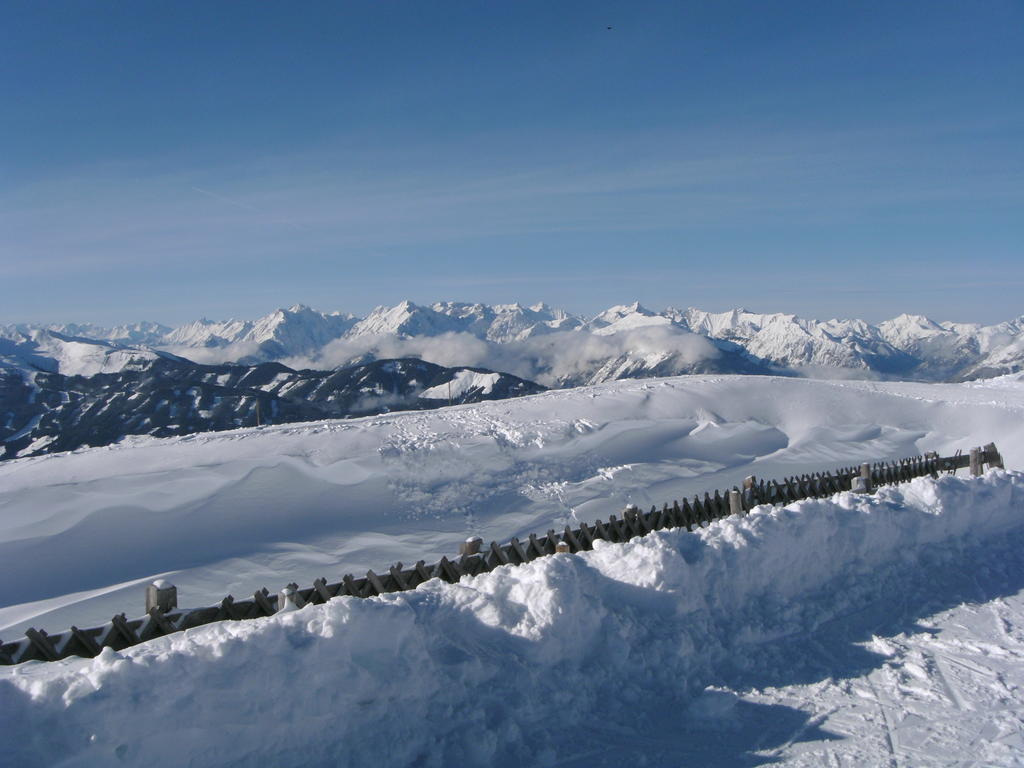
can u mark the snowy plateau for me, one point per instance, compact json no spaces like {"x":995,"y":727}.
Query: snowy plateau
{"x":856,"y":630}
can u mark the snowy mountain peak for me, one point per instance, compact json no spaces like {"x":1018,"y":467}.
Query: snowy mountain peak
{"x":403,"y":319}
{"x":620,"y":311}
{"x":907,"y":325}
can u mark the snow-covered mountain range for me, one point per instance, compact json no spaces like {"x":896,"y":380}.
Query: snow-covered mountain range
{"x":547,"y":345}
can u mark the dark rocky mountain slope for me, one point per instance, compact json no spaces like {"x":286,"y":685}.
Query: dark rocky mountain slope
{"x":43,"y":412}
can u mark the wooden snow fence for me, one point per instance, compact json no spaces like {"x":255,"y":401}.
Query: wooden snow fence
{"x":163,"y":617}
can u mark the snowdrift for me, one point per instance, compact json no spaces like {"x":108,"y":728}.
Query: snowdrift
{"x":548,"y":663}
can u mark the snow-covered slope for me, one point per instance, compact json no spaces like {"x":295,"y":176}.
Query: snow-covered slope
{"x":72,"y":356}
{"x":1004,"y":358}
{"x":215,"y":510}
{"x":827,"y":632}
{"x":462,"y":383}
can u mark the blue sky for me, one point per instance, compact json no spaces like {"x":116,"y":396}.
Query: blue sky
{"x":174,"y":160}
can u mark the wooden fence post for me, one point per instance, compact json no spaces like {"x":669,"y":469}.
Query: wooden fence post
{"x":286,"y":601}
{"x":471,"y":546}
{"x":865,"y":474}
{"x":161,"y":594}
{"x":735,"y":502}
{"x":993,"y":457}
{"x":750,"y":499}
{"x":976,"y":458}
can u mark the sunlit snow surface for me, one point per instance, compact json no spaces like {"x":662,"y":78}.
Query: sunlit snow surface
{"x":865,"y":631}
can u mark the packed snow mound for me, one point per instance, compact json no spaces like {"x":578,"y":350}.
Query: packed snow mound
{"x":531,"y":665}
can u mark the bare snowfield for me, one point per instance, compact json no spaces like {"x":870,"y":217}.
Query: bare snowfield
{"x":855,"y":631}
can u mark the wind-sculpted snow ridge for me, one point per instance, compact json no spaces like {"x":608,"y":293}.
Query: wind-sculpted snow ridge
{"x":660,"y":651}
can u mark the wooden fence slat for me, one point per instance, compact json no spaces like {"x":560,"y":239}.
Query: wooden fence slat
{"x":86,"y":641}
{"x":516,"y":546}
{"x":375,"y":582}
{"x":534,"y":547}
{"x":497,"y":556}
{"x":643,"y":520}
{"x":685,"y":515}
{"x":620,"y":528}
{"x":120,"y":623}
{"x":584,"y":536}
{"x":42,"y":643}
{"x":421,"y":569}
{"x":666,"y":518}
{"x":227,"y":607}
{"x":160,"y":621}
{"x":631,"y":525}
{"x":570,"y":537}
{"x":656,"y":518}
{"x":446,"y":570}
{"x":320,"y":585}
{"x":262,"y":602}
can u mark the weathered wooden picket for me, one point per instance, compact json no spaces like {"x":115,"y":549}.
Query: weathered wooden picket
{"x":163,"y":617}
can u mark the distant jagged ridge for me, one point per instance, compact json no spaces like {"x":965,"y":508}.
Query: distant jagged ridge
{"x":536,"y":342}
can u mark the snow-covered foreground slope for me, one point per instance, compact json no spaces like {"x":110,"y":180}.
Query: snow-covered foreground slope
{"x":590,"y":660}
{"x":235,"y":511}
{"x":827,"y":632}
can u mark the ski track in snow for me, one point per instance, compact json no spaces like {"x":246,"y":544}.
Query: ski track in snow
{"x":788,"y":655}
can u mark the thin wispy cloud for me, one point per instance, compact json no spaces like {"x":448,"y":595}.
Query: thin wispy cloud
{"x":299,"y":207}
{"x":228,"y":200}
